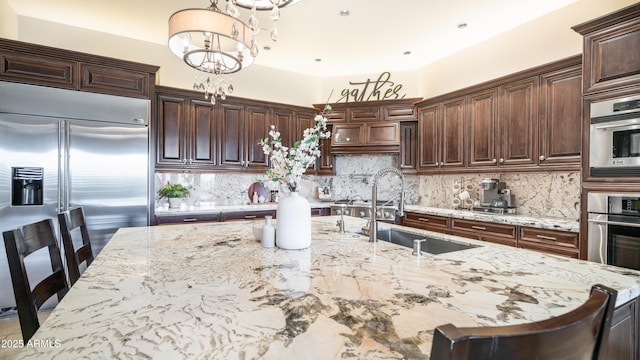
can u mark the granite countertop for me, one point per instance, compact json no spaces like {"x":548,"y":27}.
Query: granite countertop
{"x":516,"y":219}
{"x":564,"y":224}
{"x":210,"y":290}
{"x":206,"y":208}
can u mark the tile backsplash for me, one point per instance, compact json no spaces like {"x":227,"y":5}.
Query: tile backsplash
{"x":550,"y":194}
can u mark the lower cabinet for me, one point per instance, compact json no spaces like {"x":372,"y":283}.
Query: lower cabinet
{"x":555,"y":242}
{"x":623,"y":337}
{"x":485,"y":231}
{"x":180,"y":219}
{"x":550,"y":241}
{"x":435,"y":223}
{"x":227,"y":216}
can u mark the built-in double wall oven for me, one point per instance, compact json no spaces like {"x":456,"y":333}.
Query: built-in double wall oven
{"x":614,"y":229}
{"x":614,"y":145}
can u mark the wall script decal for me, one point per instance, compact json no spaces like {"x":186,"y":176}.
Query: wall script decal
{"x":380,"y":89}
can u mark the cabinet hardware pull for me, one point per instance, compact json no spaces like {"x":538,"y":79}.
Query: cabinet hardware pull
{"x":542,"y":158}
{"x":501,"y":161}
{"x":250,"y":216}
{"x":547,"y":237}
{"x":423,"y":219}
{"x":189,"y":219}
{"x":478,"y":227}
{"x":494,"y":161}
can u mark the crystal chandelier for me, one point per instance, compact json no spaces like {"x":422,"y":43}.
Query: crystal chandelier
{"x":217,"y":43}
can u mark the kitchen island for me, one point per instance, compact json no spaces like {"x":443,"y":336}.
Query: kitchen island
{"x":210,"y":290}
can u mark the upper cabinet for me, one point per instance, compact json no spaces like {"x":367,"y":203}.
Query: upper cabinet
{"x":441,"y":135}
{"x":241,"y":128}
{"x":185,"y":131}
{"x":521,"y":122}
{"x":611,"y":46}
{"x":368,"y":127}
{"x":41,"y":65}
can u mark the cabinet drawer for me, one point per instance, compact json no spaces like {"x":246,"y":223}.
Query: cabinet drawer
{"x":427,"y":222}
{"x":551,"y":240}
{"x":247,"y":215}
{"x":179,"y":219}
{"x":497,"y":233}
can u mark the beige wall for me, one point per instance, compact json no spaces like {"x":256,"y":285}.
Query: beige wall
{"x":541,"y":41}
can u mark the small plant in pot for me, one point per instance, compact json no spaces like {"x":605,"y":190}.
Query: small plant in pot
{"x":173,"y":192}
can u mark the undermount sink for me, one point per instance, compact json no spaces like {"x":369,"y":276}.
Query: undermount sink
{"x":430,"y":245}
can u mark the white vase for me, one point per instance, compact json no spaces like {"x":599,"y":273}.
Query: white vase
{"x":175,"y":203}
{"x":293,"y":230}
{"x":268,"y":233}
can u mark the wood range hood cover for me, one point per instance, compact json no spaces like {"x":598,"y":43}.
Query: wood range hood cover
{"x":369,"y":127}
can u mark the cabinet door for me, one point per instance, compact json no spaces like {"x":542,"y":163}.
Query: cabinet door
{"x":561,"y":117}
{"x":483,"y":117}
{"x":110,"y":80}
{"x":347,"y":135}
{"x":171,"y":131}
{"x":408,"y":147}
{"x":382,"y":134}
{"x":452,"y":133}
{"x":231,"y":136}
{"x":302,"y":122}
{"x":257,"y":127}
{"x":325,"y":163}
{"x":36,"y":69}
{"x":202,"y":134}
{"x":284,"y":123}
{"x":518,"y":123}
{"x":428,"y":142}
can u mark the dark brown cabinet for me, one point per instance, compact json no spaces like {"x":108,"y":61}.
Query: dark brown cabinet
{"x":324,"y":164}
{"x":242,"y":127}
{"x":185,"y":131}
{"x":624,"y":340}
{"x":611,"y":45}
{"x":518,"y":123}
{"x":429,"y":222}
{"x":483,"y":123}
{"x":560,"y":117}
{"x":441,"y":129}
{"x":409,"y":147}
{"x":563,"y":243}
{"x":42,"y":65}
{"x":486,"y":231}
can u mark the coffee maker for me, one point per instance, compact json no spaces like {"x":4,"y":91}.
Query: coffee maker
{"x":496,"y":198}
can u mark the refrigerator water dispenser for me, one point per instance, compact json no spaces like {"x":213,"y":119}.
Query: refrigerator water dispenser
{"x":26,"y":187}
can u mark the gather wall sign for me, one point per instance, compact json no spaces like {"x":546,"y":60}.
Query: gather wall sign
{"x":370,"y":90}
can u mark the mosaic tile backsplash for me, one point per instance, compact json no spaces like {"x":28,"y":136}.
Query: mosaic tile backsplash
{"x":549,"y":194}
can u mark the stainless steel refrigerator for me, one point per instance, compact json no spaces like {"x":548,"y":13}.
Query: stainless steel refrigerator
{"x":60,"y":149}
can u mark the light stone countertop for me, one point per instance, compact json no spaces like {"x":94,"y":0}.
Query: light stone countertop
{"x":515,"y":219}
{"x":209,"y":290}
{"x":213,"y":208}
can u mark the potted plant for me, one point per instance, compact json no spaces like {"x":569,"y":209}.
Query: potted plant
{"x":173,"y":192}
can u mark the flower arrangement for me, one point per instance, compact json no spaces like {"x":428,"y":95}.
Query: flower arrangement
{"x":288,"y":164}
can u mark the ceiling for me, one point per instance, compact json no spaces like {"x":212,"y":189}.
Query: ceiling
{"x":314,"y":39}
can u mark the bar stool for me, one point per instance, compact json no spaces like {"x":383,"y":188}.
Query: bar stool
{"x":579,"y":334}
{"x":19,"y":244}
{"x":71,"y":220}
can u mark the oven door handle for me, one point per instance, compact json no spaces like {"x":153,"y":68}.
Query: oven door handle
{"x":605,"y":222}
{"x":632,"y":124}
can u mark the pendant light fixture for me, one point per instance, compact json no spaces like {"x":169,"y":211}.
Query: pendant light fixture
{"x":214,"y":43}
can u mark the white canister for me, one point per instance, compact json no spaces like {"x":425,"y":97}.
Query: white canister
{"x":268,"y":233}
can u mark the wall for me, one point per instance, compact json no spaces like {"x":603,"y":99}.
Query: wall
{"x":540,"y":41}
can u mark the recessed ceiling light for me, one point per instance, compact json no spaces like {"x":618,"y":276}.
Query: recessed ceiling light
{"x":344,"y":12}
{"x":462,"y":25}
{"x":266,"y":47}
{"x":406,"y":53}
{"x":318,"y":60}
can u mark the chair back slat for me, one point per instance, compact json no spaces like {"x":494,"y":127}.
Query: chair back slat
{"x":578,"y":334}
{"x":71,"y":220}
{"x":19,"y":244}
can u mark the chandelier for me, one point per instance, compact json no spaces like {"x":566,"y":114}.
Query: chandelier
{"x":217,"y":43}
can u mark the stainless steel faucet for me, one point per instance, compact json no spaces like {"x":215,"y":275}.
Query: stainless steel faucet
{"x":373,"y":223}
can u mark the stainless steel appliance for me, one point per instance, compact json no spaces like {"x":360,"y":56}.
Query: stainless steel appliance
{"x":62,"y":148}
{"x":362,"y":209}
{"x":614,"y":142}
{"x":495,"y":198}
{"x":614,"y":229}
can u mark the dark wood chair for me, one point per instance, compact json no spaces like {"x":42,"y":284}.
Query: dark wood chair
{"x":19,"y":244}
{"x":578,"y":334}
{"x":71,"y":220}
